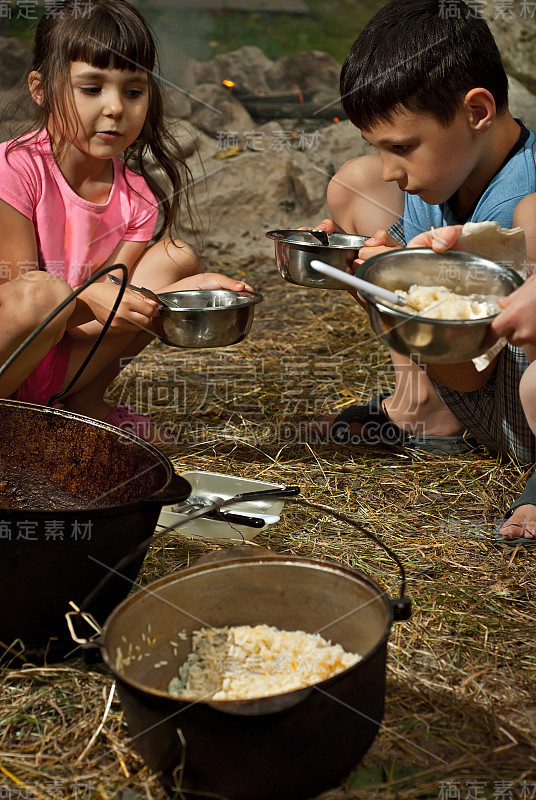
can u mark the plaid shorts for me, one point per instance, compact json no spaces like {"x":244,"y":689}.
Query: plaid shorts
{"x":397,"y":231}
{"x":493,"y":414}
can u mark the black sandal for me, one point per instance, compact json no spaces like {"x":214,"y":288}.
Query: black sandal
{"x":378,"y":428}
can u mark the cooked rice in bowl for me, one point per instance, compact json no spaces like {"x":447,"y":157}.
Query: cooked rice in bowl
{"x":248,"y":662}
{"x":439,"y":302}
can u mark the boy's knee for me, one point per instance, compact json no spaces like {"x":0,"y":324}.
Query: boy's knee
{"x":527,"y":389}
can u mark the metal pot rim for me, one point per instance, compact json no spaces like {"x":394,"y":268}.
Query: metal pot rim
{"x":237,"y":562}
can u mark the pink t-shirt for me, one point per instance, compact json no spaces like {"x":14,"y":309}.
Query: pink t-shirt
{"x":74,"y":237}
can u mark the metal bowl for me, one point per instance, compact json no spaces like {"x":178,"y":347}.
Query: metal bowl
{"x":435,"y":340}
{"x":206,"y":317}
{"x":294,"y":251}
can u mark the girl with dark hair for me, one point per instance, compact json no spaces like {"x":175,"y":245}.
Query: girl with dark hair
{"x":76,"y":194}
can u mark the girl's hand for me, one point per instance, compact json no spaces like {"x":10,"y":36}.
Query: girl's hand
{"x":209,"y":280}
{"x":327,"y":225}
{"x":134,"y":310}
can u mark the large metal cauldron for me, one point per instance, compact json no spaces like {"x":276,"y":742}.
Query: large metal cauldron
{"x":90,"y":494}
{"x":288,"y":747}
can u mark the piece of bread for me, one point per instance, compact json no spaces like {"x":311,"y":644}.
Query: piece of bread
{"x":489,"y":240}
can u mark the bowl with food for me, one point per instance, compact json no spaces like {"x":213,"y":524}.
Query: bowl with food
{"x":206,"y":317}
{"x":294,"y":251}
{"x":454,"y":297}
{"x":245,"y":659}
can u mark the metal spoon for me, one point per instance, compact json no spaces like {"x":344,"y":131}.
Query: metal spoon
{"x":361,"y":285}
{"x":148,"y":293}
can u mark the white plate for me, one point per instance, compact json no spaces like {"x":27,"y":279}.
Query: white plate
{"x":217,"y":484}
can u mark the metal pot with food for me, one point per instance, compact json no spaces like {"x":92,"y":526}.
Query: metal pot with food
{"x":301,"y":698}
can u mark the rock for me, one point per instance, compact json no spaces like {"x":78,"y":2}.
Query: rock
{"x":185,"y":134}
{"x":522,"y":103}
{"x":514,"y":29}
{"x":14,"y":58}
{"x":178,"y":104}
{"x":311,"y":70}
{"x":218,"y":113}
{"x":243,"y":197}
{"x":16,"y":104}
{"x":246,"y":67}
{"x":308,"y":185}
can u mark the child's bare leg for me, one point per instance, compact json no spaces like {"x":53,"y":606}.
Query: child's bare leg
{"x":522,"y":522}
{"x":161,"y":266}
{"x":360,"y":201}
{"x":415,"y":406}
{"x":24,"y":304}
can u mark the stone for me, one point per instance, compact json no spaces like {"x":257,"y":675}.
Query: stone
{"x":219,"y":114}
{"x":246,"y":66}
{"x":14,"y":58}
{"x":177,"y":103}
{"x":311,"y":70}
{"x":515,"y":33}
{"x":522,"y":103}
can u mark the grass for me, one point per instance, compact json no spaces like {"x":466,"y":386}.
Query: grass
{"x":461,"y":675}
{"x":330,"y":26}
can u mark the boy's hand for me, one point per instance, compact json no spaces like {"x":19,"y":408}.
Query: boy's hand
{"x":380,"y":242}
{"x":439,"y":239}
{"x":209,"y":280}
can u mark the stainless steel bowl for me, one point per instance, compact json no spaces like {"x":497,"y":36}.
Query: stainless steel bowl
{"x":206,"y":318}
{"x":294,"y":251}
{"x":435,"y":340}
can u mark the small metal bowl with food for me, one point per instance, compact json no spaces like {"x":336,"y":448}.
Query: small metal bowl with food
{"x":454,"y":296}
{"x":206,"y":317}
{"x":294,"y":251}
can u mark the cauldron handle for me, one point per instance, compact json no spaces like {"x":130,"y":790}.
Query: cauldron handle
{"x":400,"y":605}
{"x":74,"y":294}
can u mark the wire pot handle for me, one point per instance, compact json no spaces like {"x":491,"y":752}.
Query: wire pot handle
{"x":401,"y":605}
{"x":213,"y":505}
{"x":89,"y":619}
{"x":74,"y":294}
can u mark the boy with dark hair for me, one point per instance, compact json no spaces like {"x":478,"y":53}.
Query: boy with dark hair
{"x":429,"y":92}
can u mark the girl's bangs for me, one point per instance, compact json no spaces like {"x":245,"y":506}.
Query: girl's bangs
{"x":118,"y":47}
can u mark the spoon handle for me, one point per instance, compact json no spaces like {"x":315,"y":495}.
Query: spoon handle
{"x":358,"y":283}
{"x":148,"y":293}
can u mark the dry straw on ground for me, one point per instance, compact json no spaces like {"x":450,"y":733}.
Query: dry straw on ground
{"x":460,"y":719}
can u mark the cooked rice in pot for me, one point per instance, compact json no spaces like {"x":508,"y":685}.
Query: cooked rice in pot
{"x":246,"y":662}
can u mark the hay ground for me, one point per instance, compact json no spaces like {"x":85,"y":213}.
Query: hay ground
{"x":460,"y":716}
